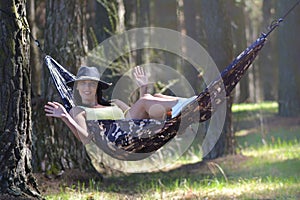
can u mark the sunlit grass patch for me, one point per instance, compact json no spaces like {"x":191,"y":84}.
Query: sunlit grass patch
{"x":216,"y":188}
{"x":273,"y":137}
{"x":252,"y":107}
{"x":85,"y":196}
{"x":256,"y":188}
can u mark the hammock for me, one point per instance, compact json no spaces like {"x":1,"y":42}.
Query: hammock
{"x":137,"y":139}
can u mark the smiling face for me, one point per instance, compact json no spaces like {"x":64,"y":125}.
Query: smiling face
{"x":87,"y":90}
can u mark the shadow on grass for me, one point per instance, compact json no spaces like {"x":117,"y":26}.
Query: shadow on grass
{"x":254,"y":175}
{"x":261,"y":174}
{"x":200,"y":177}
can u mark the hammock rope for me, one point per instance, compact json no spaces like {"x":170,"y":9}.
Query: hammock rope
{"x":274,"y":24}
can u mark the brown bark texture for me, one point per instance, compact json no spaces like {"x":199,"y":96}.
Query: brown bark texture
{"x":55,"y":147}
{"x":16,"y":176}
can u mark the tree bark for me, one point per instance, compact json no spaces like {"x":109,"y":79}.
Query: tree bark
{"x":267,"y":61}
{"x":55,"y":146}
{"x":137,"y":15}
{"x":219,"y":46}
{"x":98,"y":24}
{"x":192,"y":25}
{"x":165,"y":16}
{"x":35,"y":62}
{"x":240,"y":43}
{"x":16,"y":177}
{"x":289,"y":48}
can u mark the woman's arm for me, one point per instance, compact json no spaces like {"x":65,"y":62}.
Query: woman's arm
{"x":122,"y":105}
{"x":75,"y":121}
{"x":141,"y":80}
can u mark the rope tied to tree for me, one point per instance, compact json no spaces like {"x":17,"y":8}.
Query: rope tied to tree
{"x":275,"y":23}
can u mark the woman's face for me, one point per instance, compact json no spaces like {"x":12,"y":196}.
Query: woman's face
{"x":87,"y":90}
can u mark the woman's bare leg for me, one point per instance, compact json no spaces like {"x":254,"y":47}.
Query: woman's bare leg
{"x":165,"y":96}
{"x":150,"y":106}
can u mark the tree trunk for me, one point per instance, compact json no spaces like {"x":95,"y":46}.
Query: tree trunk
{"x":192,"y":25}
{"x":16,"y":177}
{"x":240,"y":43}
{"x":267,"y":61}
{"x":55,"y":147}
{"x":219,"y":46}
{"x":165,"y":16}
{"x":35,"y":62}
{"x":98,"y":24}
{"x":289,"y":48}
{"x":253,"y":19}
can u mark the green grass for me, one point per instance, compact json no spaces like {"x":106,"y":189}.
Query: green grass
{"x":267,"y":167}
{"x":257,"y":107}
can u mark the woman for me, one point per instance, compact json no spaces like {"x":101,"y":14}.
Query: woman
{"x":88,"y":94}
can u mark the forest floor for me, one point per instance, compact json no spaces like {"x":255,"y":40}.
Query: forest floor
{"x":126,"y":188}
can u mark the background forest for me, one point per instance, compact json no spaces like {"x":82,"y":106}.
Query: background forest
{"x":69,"y":29}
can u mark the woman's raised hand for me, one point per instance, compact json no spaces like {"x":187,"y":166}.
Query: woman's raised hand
{"x":55,"y":109}
{"x":140,"y":76}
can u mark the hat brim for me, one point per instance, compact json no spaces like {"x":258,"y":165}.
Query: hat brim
{"x":104,"y":85}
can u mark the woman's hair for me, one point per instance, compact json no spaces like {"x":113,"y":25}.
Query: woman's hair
{"x":100,"y":99}
{"x":99,"y":93}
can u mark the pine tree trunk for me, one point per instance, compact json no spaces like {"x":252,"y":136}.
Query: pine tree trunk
{"x":193,"y":27}
{"x":240,"y":43}
{"x":16,"y":177}
{"x":219,"y":46}
{"x":289,"y":48}
{"x":55,"y":146}
{"x":98,"y":24}
{"x":35,"y":61}
{"x":165,"y":16}
{"x":267,"y":61}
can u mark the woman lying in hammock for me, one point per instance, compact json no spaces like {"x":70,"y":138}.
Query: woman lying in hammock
{"x":88,"y":87}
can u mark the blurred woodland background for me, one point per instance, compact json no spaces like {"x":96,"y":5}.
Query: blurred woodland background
{"x":68,"y":29}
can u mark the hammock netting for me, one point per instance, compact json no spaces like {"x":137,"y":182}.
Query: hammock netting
{"x":137,"y":139}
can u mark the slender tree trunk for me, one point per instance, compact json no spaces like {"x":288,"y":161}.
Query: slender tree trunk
{"x":253,"y":18}
{"x":143,"y":20}
{"x":56,"y":148}
{"x":192,"y":26}
{"x":137,"y":15}
{"x":97,"y":23}
{"x":16,"y":177}
{"x":35,"y":62}
{"x":240,"y":43}
{"x":165,"y":15}
{"x":267,"y":61}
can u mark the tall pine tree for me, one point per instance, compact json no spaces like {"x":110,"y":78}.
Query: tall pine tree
{"x":16,"y":177}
